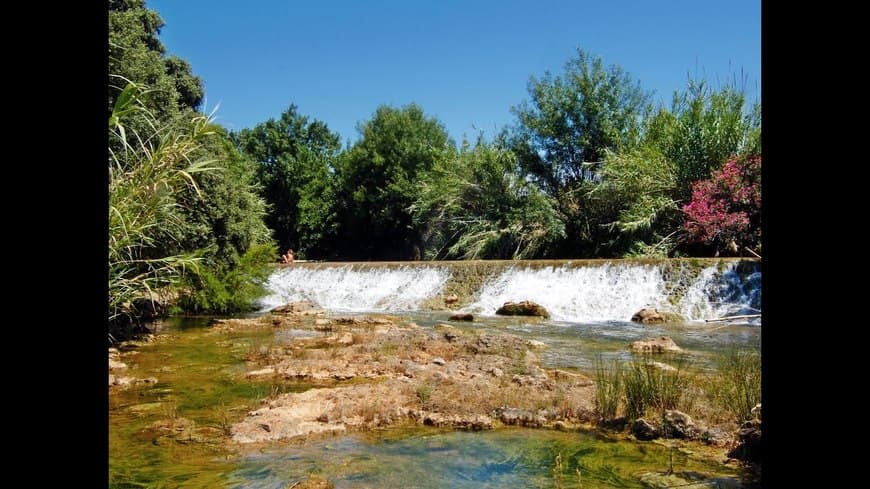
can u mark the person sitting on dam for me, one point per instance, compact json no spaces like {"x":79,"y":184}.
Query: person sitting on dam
{"x":288,"y":257}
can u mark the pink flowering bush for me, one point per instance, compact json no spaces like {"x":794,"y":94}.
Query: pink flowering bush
{"x":725,"y":211}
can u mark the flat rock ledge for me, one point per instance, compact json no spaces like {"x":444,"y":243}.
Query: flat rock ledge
{"x":368,"y":374}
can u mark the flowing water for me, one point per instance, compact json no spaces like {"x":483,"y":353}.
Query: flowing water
{"x":200,"y":376}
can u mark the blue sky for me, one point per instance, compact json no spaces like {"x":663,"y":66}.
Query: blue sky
{"x":465,"y":62}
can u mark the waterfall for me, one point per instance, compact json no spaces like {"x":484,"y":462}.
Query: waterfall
{"x":717,"y":293}
{"x":577,"y":291}
{"x":593,"y":293}
{"x":352,"y":288}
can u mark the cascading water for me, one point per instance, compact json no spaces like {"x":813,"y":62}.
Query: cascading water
{"x":576,"y":292}
{"x":594,"y":293}
{"x":348,"y":288}
{"x":718,"y":293}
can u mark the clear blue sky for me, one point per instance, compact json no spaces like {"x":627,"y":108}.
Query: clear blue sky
{"x":465,"y":62}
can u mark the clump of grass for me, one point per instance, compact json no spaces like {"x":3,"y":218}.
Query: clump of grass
{"x":424,"y":392}
{"x":649,"y":387}
{"x":262,"y":354}
{"x":736,"y":388}
{"x":224,"y":422}
{"x":608,"y":387}
{"x":170,"y":410}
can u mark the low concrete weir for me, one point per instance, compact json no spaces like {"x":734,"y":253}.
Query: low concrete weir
{"x":571,"y":290}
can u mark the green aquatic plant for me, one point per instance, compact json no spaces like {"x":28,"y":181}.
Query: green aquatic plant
{"x":609,"y":388}
{"x":736,"y":388}
{"x":648,"y":386}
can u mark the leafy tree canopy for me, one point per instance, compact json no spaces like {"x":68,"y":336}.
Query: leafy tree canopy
{"x":475,"y":205}
{"x":295,"y":160}
{"x":573,"y":118}
{"x":136,"y":54}
{"x":378,"y":180}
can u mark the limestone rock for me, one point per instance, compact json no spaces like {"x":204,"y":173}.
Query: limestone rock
{"x":299,"y":308}
{"x":648,"y":315}
{"x":655,"y":345}
{"x":644,"y":430}
{"x":678,"y":424}
{"x":522,"y":308}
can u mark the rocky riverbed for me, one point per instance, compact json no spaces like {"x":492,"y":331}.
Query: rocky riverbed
{"x":375,"y":371}
{"x":372,"y":372}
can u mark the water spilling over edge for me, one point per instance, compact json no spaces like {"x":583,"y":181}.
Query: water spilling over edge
{"x":606,"y":290}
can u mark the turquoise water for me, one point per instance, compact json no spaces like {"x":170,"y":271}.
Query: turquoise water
{"x":493,"y":459}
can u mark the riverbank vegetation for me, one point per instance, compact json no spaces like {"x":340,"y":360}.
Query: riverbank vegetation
{"x":590,"y":168}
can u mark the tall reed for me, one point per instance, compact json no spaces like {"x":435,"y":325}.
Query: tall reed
{"x":736,"y":388}
{"x":146,"y":174}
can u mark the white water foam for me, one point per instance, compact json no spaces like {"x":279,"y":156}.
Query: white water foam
{"x":349,"y":289}
{"x":606,"y":292}
{"x":592,"y":293}
{"x":718,"y":293}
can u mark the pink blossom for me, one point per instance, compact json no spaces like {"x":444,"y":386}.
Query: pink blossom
{"x":726,"y":209}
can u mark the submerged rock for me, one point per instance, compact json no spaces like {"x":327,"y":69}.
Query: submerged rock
{"x":461,"y":316}
{"x":662,"y":366}
{"x":655,"y":345}
{"x":685,"y":480}
{"x":116,"y":365}
{"x":313,"y":482}
{"x":522,"y":308}
{"x":118,"y":381}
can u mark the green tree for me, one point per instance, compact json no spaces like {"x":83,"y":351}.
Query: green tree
{"x":571,"y":121}
{"x":573,"y":118}
{"x":136,"y":53}
{"x":477,"y":205}
{"x":378,"y":180}
{"x":173,"y":225}
{"x":638,"y":186}
{"x":295,"y":169}
{"x":646,"y":185}
{"x":226,"y":220}
{"x":703,"y":129}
